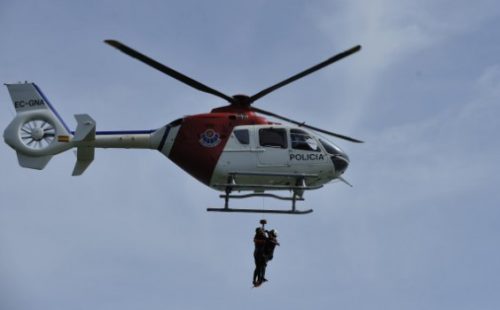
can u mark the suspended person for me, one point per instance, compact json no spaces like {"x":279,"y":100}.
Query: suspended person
{"x":271,"y":243}
{"x":259,"y":241}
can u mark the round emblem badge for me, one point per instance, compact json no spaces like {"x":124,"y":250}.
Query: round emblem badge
{"x":210,"y":138}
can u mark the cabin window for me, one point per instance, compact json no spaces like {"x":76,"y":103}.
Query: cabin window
{"x":273,"y":137}
{"x":301,"y":140}
{"x":242,"y":135}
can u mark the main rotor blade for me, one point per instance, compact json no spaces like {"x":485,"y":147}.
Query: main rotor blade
{"x":169,"y":71}
{"x":302,"y":74}
{"x":302,"y":124}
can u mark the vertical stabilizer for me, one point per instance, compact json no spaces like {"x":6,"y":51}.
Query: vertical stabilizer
{"x":37,"y":132}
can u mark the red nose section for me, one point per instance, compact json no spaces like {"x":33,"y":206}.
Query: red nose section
{"x":202,"y":138}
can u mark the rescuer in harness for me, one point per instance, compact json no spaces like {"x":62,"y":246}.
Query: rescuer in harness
{"x":265,"y":243}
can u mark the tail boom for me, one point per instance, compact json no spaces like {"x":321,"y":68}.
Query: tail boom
{"x":37,"y":132}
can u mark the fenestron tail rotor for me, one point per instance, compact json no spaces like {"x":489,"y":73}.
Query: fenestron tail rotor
{"x":37,"y":134}
{"x":242,"y":101}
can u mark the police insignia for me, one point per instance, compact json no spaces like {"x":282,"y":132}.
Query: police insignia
{"x":210,"y":138}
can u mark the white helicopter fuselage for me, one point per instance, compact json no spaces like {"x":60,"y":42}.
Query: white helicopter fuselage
{"x":273,"y":162}
{"x":227,"y":151}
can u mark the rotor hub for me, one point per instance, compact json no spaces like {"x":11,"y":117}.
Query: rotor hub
{"x":242,"y":100}
{"x":37,"y":133}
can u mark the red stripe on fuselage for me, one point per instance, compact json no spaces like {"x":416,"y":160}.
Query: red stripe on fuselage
{"x":195,"y":151}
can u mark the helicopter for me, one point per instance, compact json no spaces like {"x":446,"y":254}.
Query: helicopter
{"x":232,"y":149}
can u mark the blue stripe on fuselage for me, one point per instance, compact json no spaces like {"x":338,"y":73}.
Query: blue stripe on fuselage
{"x":123,"y":132}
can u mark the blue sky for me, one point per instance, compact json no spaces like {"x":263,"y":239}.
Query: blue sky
{"x":419,"y":229}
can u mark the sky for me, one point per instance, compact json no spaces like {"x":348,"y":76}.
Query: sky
{"x":419,"y":229}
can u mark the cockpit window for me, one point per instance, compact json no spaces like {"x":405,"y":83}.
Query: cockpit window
{"x":273,"y":137}
{"x":301,"y":140}
{"x":242,"y":135}
{"x":331,"y":149}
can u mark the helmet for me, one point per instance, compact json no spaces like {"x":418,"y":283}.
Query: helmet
{"x":274,"y":232}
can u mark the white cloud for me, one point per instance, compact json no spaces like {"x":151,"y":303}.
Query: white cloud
{"x":451,"y":152}
{"x":390,"y":32}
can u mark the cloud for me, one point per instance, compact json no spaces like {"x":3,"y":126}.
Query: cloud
{"x":391,"y":32}
{"x":444,"y":155}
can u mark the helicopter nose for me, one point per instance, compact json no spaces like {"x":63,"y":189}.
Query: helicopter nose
{"x":340,"y":163}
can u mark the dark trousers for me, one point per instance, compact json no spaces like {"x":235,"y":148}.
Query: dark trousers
{"x":260,"y":267}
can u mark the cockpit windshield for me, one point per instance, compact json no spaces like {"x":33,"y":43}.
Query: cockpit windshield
{"x":332,"y":149}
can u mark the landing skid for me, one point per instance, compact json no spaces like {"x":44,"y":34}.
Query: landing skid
{"x":260,"y":211}
{"x":297,"y":192}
